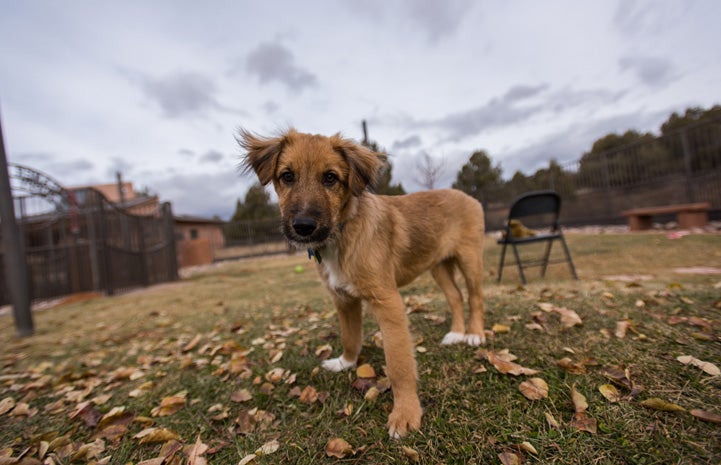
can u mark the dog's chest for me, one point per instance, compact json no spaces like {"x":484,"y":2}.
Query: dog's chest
{"x":335,"y":278}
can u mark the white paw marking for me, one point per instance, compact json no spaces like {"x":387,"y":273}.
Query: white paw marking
{"x":453,"y":338}
{"x":474,"y":340}
{"x":394,"y":434}
{"x":337,"y":364}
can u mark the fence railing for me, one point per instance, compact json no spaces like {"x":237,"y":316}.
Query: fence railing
{"x":94,"y":247}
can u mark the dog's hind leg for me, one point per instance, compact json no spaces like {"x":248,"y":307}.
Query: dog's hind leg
{"x":443,"y":274}
{"x":471,"y":265}
{"x":350,"y":316}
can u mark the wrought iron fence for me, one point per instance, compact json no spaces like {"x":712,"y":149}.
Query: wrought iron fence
{"x":93,"y":246}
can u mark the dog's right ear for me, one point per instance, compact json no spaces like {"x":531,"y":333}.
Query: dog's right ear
{"x":262,"y":153}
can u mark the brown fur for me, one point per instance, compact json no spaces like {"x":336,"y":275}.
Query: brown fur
{"x":371,"y":244}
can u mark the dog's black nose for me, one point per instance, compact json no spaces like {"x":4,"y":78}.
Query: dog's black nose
{"x":304,"y":226}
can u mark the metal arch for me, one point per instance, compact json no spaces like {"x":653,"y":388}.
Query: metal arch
{"x":37,"y":183}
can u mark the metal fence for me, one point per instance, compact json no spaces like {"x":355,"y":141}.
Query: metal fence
{"x":681,"y":167}
{"x":93,"y":246}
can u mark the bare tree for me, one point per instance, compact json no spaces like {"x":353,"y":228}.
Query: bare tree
{"x":429,"y":170}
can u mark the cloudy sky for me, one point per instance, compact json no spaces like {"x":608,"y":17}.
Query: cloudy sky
{"x":157,"y":89}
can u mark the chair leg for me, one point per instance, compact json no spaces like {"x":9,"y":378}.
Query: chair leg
{"x":546,"y":256}
{"x":518,"y":262}
{"x":568,"y":258}
{"x":502,"y":262}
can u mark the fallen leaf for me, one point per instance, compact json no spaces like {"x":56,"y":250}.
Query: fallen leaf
{"x":509,"y":368}
{"x":706,"y":416}
{"x":6,"y":405}
{"x":195,"y":454}
{"x":268,"y":448}
{"x":191,"y":345}
{"x":610,"y":392}
{"x":583,"y":422}
{"x":552,"y":422}
{"x":309,"y":395}
{"x":575,"y":368}
{"x":501,"y":329}
{"x":621,"y":328}
{"x":659,"y":404}
{"x":534,"y":389}
{"x":155,"y":435}
{"x":247,"y":459}
{"x":528,"y":447}
{"x":509,"y":458}
{"x":371,"y":394}
{"x":242,"y":395}
{"x":579,"y":401}
{"x":365,"y":371}
{"x":338,"y":448}
{"x":168,"y":406}
{"x":707,"y":367}
{"x":412,"y":454}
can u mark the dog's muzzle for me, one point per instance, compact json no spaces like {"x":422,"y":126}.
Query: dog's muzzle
{"x":305,"y":229}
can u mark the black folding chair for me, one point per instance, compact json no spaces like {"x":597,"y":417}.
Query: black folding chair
{"x":542,"y":207}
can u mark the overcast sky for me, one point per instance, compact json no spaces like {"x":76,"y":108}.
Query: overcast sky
{"x":158,"y":89}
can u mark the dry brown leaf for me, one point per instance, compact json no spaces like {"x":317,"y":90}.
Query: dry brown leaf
{"x":242,"y":395}
{"x":509,"y":458}
{"x":579,"y":401}
{"x":552,"y":422}
{"x":534,"y":389}
{"x":528,"y":447}
{"x":707,"y":367}
{"x":309,"y":395}
{"x":569,"y":318}
{"x":338,"y":448}
{"x":621,"y":328}
{"x":247,"y":459}
{"x":365,"y":371}
{"x":610,"y":392}
{"x":509,"y":368}
{"x":156,"y":435}
{"x":195,"y":454}
{"x":191,"y":345}
{"x":412,"y":454}
{"x":575,"y":368}
{"x":268,"y":448}
{"x":168,"y":406}
{"x":659,"y":404}
{"x":583,"y":422}
{"x":6,"y":405}
{"x":501,"y":329}
{"x":371,"y":394}
{"x":706,"y":416}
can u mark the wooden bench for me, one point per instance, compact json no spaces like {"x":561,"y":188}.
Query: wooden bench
{"x":689,"y":215}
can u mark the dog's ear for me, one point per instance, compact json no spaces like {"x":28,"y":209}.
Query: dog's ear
{"x":262,"y":153}
{"x":364,"y":164}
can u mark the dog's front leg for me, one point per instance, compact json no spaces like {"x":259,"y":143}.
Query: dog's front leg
{"x":390,"y":313}
{"x":350,"y":317}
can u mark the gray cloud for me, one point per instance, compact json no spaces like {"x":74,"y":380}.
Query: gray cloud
{"x":212,"y":156}
{"x":182,"y":94}
{"x":274,"y":62}
{"x":497,"y":112}
{"x":438,"y":19}
{"x":652,"y":71}
{"x":407,"y":143}
{"x":54,"y":166}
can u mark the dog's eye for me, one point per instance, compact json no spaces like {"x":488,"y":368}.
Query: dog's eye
{"x":330,"y":178}
{"x":287,"y":177}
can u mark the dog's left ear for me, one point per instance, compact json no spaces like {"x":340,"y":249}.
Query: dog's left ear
{"x":364,"y":164}
{"x":262,"y":153}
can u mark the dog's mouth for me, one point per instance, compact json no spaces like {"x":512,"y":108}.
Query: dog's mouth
{"x":306,"y":233}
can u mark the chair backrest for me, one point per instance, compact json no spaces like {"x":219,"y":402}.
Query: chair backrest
{"x":537,"y":203}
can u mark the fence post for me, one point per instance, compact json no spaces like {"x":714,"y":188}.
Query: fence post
{"x":16,"y":267}
{"x":170,"y":239}
{"x":690,"y":191}
{"x":607,"y":185}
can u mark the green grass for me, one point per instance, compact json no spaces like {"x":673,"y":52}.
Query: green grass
{"x":472,"y":412}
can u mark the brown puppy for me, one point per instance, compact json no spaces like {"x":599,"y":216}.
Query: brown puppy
{"x":367,"y":245}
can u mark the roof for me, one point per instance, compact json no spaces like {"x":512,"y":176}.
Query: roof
{"x":189,"y":219}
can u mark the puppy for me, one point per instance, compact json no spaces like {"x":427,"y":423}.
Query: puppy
{"x":367,"y":245}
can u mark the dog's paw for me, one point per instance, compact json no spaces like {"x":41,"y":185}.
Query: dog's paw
{"x":453,"y":338}
{"x":337,"y":364}
{"x":474,"y":340}
{"x":404,"y":419}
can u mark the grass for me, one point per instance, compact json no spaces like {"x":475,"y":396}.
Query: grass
{"x":222,"y":331}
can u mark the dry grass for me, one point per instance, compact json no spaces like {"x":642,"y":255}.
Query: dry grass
{"x":473,"y":413}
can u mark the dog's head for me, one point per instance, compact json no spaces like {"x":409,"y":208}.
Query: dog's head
{"x":315,"y":177}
